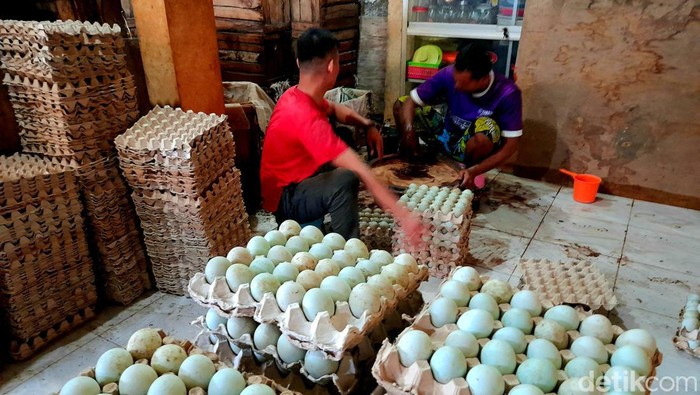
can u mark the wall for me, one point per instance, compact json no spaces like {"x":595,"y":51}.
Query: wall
{"x":612,"y":87}
{"x":373,"y":50}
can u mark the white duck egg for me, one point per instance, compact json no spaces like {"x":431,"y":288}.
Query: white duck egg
{"x":258,"y":246}
{"x":337,"y":288}
{"x":384,"y":285}
{"x":577,"y":386}
{"x":590,"y":347}
{"x":196,"y":371}
{"x":317,"y":366}
{"x":566,"y":316}
{"x":357,"y":248}
{"x":303,"y":261}
{"x":226,"y":381}
{"x":512,"y":336}
{"x":334,"y":241}
{"x":552,"y":331}
{"x":317,"y":300}
{"x":239,"y":274}
{"x":240,"y":255}
{"x":469,"y":276}
{"x":297,"y":244}
{"x":309,"y":279}
{"x":276,"y":238}
{"x":81,"y":385}
{"x":443,"y":311}
{"x":447,"y":363}
{"x":638,"y":337}
{"x":364,"y":298}
{"x":398,"y":274}
{"x":344,"y":258}
{"x":285,"y":271}
{"x":216,"y":267}
{"x":327,"y":267}
{"x":288,"y":352}
{"x":518,"y":318}
{"x":289,"y":293}
{"x":262,"y":265}
{"x":413,"y":346}
{"x":538,"y":372}
{"x":525,"y":389}
{"x":597,"y":326}
{"x":143,"y":343}
{"x":168,"y":358}
{"x":477,"y":322}
{"x":352,"y":275}
{"x":278,"y":254}
{"x":290,"y":228}
{"x":498,"y":289}
{"x":368,"y":268}
{"x":311,"y":234}
{"x":266,"y":335}
{"x":485,"y":302}
{"x":620,"y":380}
{"x":456,"y":291}
{"x":583,"y":367}
{"x":408,"y":261}
{"x":527,"y":300}
{"x":258,"y":389}
{"x":136,"y":379}
{"x":111,"y":365}
{"x":485,"y":380}
{"x":633,"y":357}
{"x":544,"y":349}
{"x":321,"y":251}
{"x":239,"y":326}
{"x":169,"y":384}
{"x":262,"y":284}
{"x":500,"y":355}
{"x":213,"y":319}
{"x":464,"y":341}
{"x":380,"y":256}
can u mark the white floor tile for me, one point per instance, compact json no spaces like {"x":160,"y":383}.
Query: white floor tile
{"x":600,"y":236}
{"x":663,"y":249}
{"x":668,"y":219}
{"x":494,"y":250}
{"x":606,"y":207}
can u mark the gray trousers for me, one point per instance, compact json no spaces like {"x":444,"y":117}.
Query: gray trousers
{"x":331,"y":192}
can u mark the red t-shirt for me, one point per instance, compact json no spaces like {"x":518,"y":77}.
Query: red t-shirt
{"x":299,"y":139}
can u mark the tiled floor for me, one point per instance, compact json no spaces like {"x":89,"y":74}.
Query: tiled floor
{"x":648,"y":252}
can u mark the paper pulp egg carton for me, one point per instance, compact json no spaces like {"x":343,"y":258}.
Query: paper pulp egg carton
{"x":447,"y":215}
{"x":579,"y":283}
{"x":687,"y":337}
{"x":376,"y":228}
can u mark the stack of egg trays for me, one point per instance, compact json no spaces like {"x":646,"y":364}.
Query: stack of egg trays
{"x":376,"y":228}
{"x":418,"y":378}
{"x":446,"y":245}
{"x":72,"y":95}
{"x":47,"y":283}
{"x":573,"y":283}
{"x":186,"y":189}
{"x":687,"y":336}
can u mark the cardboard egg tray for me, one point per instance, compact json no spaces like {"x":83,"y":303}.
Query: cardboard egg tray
{"x":579,"y":283}
{"x":376,"y":228}
{"x":683,"y":338}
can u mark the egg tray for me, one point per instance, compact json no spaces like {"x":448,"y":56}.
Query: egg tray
{"x":372,"y":233}
{"x":577,"y":283}
{"x":43,"y":219}
{"x":683,"y":337}
{"x":320,"y":334}
{"x":23,"y":349}
{"x":28,"y":90}
{"x":57,"y":32}
{"x":26,"y":178}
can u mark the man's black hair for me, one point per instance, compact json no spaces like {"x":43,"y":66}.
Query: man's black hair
{"x":315,"y":43}
{"x":475,"y":59}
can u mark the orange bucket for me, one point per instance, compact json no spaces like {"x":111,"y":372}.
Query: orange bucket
{"x":585,"y":186}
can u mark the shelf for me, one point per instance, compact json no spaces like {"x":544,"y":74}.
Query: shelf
{"x":463,"y":30}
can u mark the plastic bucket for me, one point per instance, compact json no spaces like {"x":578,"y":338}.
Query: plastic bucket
{"x":585,"y":186}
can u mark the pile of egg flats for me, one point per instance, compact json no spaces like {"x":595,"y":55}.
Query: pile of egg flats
{"x":187,"y":191}
{"x":154,"y":364}
{"x":72,"y":95}
{"x":46,"y":274}
{"x":482,"y":337}
{"x":688,"y":335}
{"x":447,"y":213}
{"x":376,"y":228}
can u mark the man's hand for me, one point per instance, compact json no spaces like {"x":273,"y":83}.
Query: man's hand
{"x":375,"y":142}
{"x":412,"y":227}
{"x":466,"y":179}
{"x":408,"y":145}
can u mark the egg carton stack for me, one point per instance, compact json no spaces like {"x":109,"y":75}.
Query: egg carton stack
{"x":687,"y":336}
{"x":47,"y":284}
{"x":155,"y":363}
{"x":482,"y":336}
{"x":573,"y":283}
{"x":72,"y":95}
{"x":187,"y":191}
{"x":447,"y":215}
{"x":376,"y":228}
{"x":325,"y":294}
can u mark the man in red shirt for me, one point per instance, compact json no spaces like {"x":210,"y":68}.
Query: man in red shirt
{"x":300,"y":139}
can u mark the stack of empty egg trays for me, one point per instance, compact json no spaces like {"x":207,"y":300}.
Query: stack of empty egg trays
{"x":72,"y":95}
{"x":447,"y":213}
{"x":326,"y":296}
{"x":47,"y":284}
{"x":481,"y":336}
{"x":376,"y":228}
{"x":688,"y":334}
{"x":573,"y":283}
{"x":187,"y":191}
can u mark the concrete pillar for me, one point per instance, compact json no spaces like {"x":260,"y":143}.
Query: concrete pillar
{"x":180,"y":54}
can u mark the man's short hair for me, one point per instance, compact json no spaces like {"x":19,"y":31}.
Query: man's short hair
{"x":315,"y":43}
{"x":475,"y":59}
